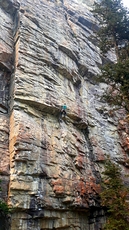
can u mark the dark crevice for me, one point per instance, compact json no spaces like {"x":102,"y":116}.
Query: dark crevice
{"x":10,"y":6}
{"x":4,"y":91}
{"x":4,"y":221}
{"x":68,"y":52}
{"x":91,"y":155}
{"x":95,"y":216}
{"x":87,"y":23}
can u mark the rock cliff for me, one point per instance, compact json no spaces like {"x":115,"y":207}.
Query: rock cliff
{"x":51,"y":167}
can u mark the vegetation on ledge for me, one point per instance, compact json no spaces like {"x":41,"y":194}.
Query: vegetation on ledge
{"x":114,"y":197}
{"x":113,"y":35}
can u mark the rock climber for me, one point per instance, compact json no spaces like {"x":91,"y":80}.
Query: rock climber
{"x":63,"y":110}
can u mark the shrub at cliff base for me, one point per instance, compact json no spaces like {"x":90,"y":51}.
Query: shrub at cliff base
{"x":114,"y":198}
{"x":4,"y":217}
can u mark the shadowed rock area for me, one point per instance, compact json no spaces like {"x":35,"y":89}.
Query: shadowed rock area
{"x":51,"y":167}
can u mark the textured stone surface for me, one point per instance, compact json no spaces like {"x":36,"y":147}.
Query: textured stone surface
{"x":6,"y":58}
{"x":49,"y":57}
{"x":6,"y":65}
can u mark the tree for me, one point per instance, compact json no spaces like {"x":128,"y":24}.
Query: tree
{"x":114,"y":198}
{"x":114,"y":35}
{"x":114,"y":25}
{"x":117,"y":77}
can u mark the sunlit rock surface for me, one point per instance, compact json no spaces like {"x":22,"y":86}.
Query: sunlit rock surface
{"x":48,"y":57}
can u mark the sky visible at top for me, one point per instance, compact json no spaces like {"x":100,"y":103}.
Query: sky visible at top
{"x":126,"y":3}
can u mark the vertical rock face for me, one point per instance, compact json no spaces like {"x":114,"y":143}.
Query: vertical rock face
{"x":6,"y":58}
{"x":6,"y":55}
{"x":49,"y":57}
